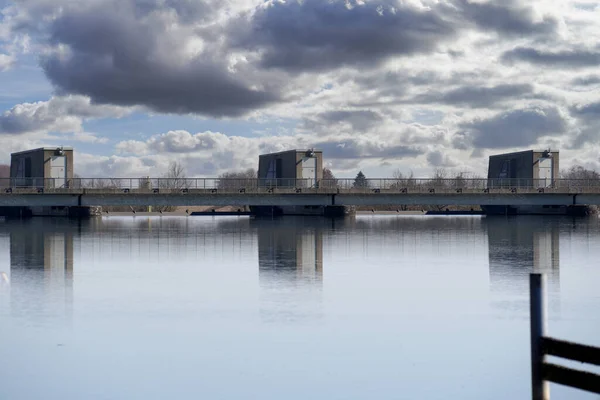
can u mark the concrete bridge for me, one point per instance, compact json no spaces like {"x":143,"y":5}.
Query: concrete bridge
{"x":32,"y":192}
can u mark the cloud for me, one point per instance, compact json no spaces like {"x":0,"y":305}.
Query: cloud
{"x":440,"y":160}
{"x":478,"y":96}
{"x":232,"y":59}
{"x":82,"y":137}
{"x":118,"y":52}
{"x":214,"y":152}
{"x":590,"y":110}
{"x":587,"y":80}
{"x":515,"y":128}
{"x":356,"y":120}
{"x":182,"y":142}
{"x":588,"y":121}
{"x":364,"y":148}
{"x":6,"y":61}
{"x":316,"y":35}
{"x":555,"y":59}
{"x":59,"y":114}
{"x":508,"y":17}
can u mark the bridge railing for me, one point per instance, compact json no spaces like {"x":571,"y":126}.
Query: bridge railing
{"x":412,"y":185}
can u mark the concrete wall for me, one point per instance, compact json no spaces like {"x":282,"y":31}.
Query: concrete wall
{"x":300,"y":155}
{"x":34,"y":165}
{"x":70,"y":166}
{"x":38,"y":164}
{"x":522,"y":165}
{"x":289,"y":166}
{"x":555,"y":164}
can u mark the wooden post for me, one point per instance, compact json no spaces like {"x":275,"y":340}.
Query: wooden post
{"x":540,"y":389}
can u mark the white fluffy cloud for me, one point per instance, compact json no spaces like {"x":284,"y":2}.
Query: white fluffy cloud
{"x":209,"y":154}
{"x":59,"y":115}
{"x":6,"y":61}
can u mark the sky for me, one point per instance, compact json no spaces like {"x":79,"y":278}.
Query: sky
{"x":378,"y":86}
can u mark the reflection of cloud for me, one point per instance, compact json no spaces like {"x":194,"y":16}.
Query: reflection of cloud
{"x":290,"y":257}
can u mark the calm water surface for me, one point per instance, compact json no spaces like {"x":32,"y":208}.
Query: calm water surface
{"x":235,"y":308}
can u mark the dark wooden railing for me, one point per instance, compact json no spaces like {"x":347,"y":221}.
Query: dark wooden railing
{"x":543,"y":372}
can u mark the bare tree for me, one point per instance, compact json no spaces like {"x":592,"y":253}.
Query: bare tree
{"x":438,"y":182}
{"x":99,"y":183}
{"x":4,"y":171}
{"x":329,"y":179}
{"x":237,"y":180}
{"x":460,"y":181}
{"x":439,"y":178}
{"x":174,"y":178}
{"x":402,"y":181}
{"x":4,"y":175}
{"x":577,"y":176}
{"x":578,"y":172}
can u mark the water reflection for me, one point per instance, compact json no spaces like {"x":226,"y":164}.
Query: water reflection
{"x":252,"y":305}
{"x":290,"y":259}
{"x":41,"y":270}
{"x":522,"y":245}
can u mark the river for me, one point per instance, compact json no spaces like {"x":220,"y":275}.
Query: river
{"x":377,"y":307}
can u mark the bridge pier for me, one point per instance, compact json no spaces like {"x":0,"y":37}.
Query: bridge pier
{"x":315,"y":211}
{"x":16,"y":212}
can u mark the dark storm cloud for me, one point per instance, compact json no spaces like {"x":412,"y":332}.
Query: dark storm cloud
{"x":512,"y":128}
{"x":561,"y":59}
{"x":478,"y":96}
{"x":507,"y":17}
{"x":118,"y":59}
{"x":316,"y":35}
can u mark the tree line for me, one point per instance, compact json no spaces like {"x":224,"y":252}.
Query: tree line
{"x":175,"y":177}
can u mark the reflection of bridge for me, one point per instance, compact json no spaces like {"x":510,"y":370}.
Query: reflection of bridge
{"x":290,"y":258}
{"x":291,"y":248}
{"x":41,"y":270}
{"x":518,"y":247}
{"x":337,"y":192}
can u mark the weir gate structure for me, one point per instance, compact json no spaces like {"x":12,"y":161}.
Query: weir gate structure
{"x":79,"y":192}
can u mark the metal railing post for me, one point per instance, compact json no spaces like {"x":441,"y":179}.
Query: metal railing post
{"x":539,"y":387}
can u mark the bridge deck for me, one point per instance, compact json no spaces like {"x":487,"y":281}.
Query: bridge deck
{"x":189,"y":192}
